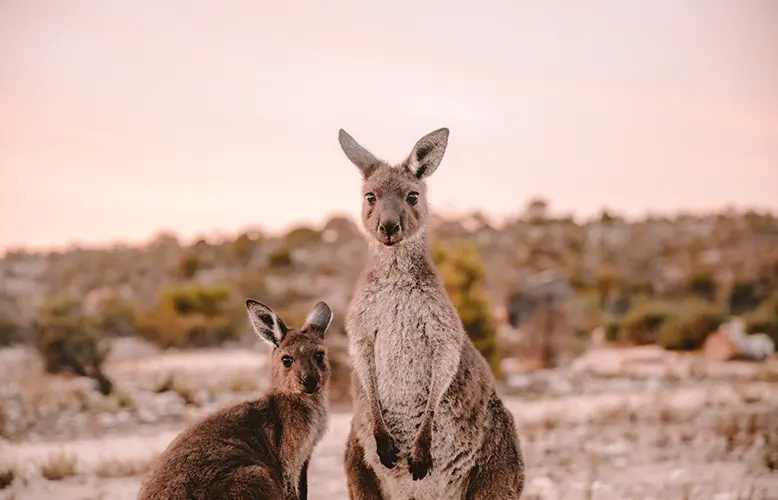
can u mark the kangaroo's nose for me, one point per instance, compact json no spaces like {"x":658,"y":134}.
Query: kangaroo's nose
{"x":389,"y":228}
{"x":310,"y":384}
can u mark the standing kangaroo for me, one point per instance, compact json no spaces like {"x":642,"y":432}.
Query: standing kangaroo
{"x":257,"y":449}
{"x":427,"y":422}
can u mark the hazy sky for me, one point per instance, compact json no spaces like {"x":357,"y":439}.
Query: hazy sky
{"x":118,"y":119}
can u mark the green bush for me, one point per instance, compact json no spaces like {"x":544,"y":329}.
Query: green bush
{"x":641,"y":324}
{"x":69,"y":342}
{"x":463,"y":274}
{"x":193,"y":316}
{"x":688,"y":328}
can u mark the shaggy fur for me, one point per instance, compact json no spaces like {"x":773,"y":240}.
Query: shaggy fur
{"x":257,"y":449}
{"x":427,"y":422}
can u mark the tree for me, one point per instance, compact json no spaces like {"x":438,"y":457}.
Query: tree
{"x":463,"y":275}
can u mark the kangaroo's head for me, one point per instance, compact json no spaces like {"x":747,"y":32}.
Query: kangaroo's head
{"x":394,"y":205}
{"x":299,"y":362}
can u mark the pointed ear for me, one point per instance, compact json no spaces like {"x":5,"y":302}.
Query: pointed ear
{"x":358,"y":155}
{"x":268,"y":326}
{"x":318,"y":319}
{"x":427,"y":154}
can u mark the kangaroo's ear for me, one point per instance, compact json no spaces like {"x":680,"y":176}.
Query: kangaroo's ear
{"x":268,"y":326}
{"x":358,"y":155}
{"x":427,"y":154}
{"x":318,"y":319}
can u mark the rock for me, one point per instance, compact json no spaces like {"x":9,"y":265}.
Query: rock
{"x":754,"y":347}
{"x":719,"y":347}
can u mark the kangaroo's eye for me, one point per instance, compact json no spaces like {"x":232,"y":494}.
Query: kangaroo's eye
{"x":287,"y":361}
{"x":370,"y":197}
{"x":413,"y":198}
{"x":319,"y":357}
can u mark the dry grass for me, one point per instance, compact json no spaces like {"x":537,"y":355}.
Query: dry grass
{"x":124,"y":468}
{"x":59,"y":466}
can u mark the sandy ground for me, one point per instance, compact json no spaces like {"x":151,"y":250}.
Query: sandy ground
{"x":621,"y":437}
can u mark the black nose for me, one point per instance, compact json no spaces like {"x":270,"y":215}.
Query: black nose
{"x":310,"y":384}
{"x":389,"y":228}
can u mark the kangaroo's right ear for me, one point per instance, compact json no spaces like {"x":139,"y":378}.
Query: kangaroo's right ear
{"x":318,"y":319}
{"x":358,"y":155}
{"x":268,"y":326}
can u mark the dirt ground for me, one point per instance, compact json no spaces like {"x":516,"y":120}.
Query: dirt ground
{"x":617,"y":424}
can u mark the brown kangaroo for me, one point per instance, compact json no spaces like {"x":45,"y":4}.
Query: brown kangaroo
{"x":257,"y":449}
{"x":427,"y":422}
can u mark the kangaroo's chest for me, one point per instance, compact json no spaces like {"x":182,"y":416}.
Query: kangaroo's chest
{"x":403,"y":322}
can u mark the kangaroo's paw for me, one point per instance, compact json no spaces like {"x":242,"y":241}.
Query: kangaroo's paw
{"x":420,"y":459}
{"x":387,"y":449}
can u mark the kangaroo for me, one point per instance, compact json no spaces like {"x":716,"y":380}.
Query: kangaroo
{"x":427,"y":421}
{"x":256,"y":449}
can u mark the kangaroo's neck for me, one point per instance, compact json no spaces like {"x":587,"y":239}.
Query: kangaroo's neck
{"x":303,"y":403}
{"x":409,"y":258}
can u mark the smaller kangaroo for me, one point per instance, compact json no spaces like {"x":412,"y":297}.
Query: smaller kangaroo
{"x":256,"y":449}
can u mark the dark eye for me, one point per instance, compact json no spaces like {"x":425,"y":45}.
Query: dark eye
{"x":287,"y":361}
{"x":319,"y":357}
{"x":370,"y":197}
{"x":413,"y":198}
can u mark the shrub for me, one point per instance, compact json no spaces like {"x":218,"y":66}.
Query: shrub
{"x":764,"y":319}
{"x":703,"y":286}
{"x":463,"y":275}
{"x":68,"y":341}
{"x":116,"y":317}
{"x":641,"y":324}
{"x":301,"y":236}
{"x":280,"y":258}
{"x":194,"y":316}
{"x":59,"y":466}
{"x":9,"y":332}
{"x":7,"y":475}
{"x":189,"y":265}
{"x":612,"y":330}
{"x":690,"y":326}
{"x":743,"y":297}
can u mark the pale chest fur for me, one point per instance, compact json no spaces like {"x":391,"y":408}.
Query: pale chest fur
{"x":294,"y":466}
{"x":406,"y":320}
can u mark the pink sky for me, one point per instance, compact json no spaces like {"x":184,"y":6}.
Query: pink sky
{"x":119,"y":119}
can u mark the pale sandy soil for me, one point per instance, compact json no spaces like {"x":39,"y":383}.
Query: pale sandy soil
{"x":609,"y":437}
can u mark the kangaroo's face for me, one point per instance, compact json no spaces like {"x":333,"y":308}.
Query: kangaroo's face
{"x":299,"y":362}
{"x":394,"y":205}
{"x":394,"y":198}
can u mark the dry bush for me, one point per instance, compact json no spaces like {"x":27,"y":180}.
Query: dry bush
{"x":59,"y":466}
{"x":124,"y":468}
{"x":7,"y":475}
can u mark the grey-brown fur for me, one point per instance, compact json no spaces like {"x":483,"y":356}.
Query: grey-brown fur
{"x":256,"y":449}
{"x":427,"y":422}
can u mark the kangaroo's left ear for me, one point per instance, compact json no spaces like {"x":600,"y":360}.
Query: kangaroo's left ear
{"x":319,"y":319}
{"x":427,"y":154}
{"x":267,"y":325}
